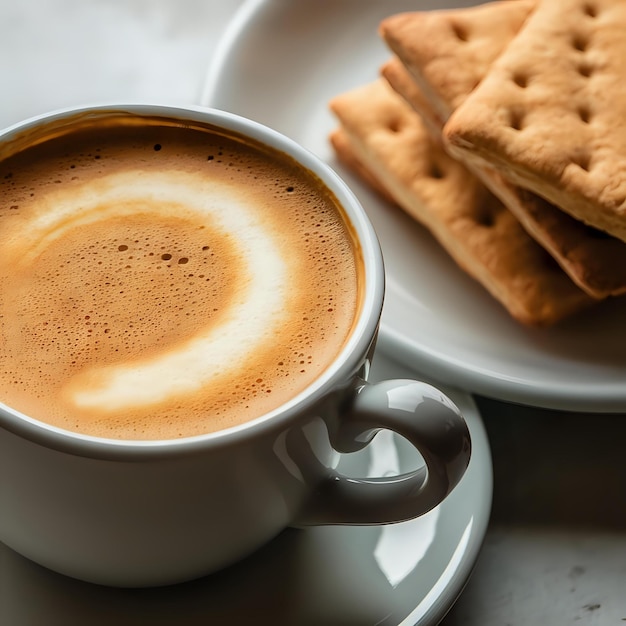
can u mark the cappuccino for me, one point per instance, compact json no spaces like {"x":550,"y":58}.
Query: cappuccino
{"x":162,"y":280}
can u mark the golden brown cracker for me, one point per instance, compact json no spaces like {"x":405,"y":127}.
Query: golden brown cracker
{"x":484,"y":238}
{"x":449,"y":51}
{"x":397,"y":75}
{"x":595,"y":262}
{"x":549,"y":114}
{"x":343,"y":149}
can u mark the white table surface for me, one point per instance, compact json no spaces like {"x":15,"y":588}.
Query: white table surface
{"x":556,"y":549}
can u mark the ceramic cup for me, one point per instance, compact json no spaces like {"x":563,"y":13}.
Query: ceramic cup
{"x":143,"y":513}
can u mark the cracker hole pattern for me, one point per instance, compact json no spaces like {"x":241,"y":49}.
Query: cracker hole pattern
{"x":580,"y":42}
{"x":488,"y":212}
{"x":516,"y":119}
{"x":486,"y":220}
{"x":585,"y":69}
{"x":394,"y":124}
{"x":590,"y":10}
{"x":583,"y":160}
{"x":460,"y":31}
{"x":486,"y":217}
{"x":436,"y":172}
{"x":520,"y":79}
{"x":584,"y":113}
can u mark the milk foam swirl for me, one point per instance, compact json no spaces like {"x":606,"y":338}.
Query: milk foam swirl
{"x":255,"y":312}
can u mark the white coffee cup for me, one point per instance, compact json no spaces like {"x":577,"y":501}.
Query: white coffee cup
{"x":140,"y":513}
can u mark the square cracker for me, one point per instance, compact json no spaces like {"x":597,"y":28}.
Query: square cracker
{"x":595,"y":261}
{"x":385,"y":136}
{"x":549,"y":114}
{"x":448,"y":68}
{"x":449,"y":51}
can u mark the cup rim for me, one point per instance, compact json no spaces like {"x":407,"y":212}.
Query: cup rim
{"x":346,"y":362}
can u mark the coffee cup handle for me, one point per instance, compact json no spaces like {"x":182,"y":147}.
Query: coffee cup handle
{"x":429,"y":420}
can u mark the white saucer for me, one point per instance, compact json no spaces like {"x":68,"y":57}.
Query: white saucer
{"x":402,"y":574}
{"x":279,"y":63}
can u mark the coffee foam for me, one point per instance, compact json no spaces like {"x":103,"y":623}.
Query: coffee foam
{"x":261,"y":288}
{"x":226,"y":335}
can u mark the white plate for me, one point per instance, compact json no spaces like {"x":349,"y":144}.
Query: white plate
{"x":401,"y":574}
{"x":279,"y":63}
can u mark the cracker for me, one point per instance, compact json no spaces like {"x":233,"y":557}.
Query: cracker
{"x":397,"y":75}
{"x":484,"y":238}
{"x":343,"y":148}
{"x":449,"y":51}
{"x":549,"y":114}
{"x":595,"y":262}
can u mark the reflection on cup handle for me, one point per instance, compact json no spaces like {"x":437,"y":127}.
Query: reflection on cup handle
{"x":429,"y":420}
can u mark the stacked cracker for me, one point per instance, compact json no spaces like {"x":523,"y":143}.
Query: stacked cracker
{"x":498,"y":127}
